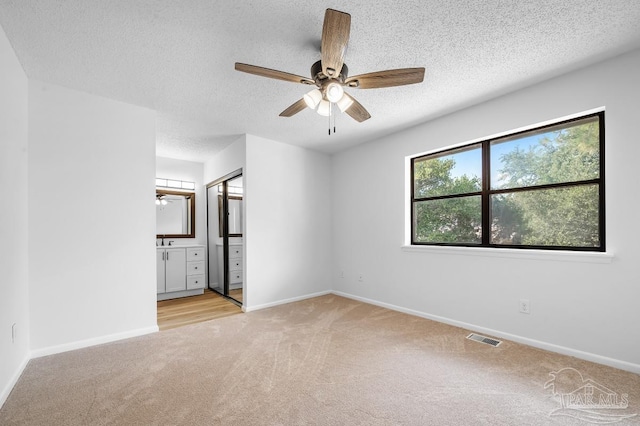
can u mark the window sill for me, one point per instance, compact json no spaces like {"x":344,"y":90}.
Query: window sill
{"x":553,"y":255}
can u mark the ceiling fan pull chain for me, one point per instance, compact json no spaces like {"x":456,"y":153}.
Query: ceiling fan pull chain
{"x":329,"y":118}
{"x":335,"y":117}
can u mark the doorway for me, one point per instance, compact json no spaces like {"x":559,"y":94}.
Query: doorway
{"x":225,"y":237}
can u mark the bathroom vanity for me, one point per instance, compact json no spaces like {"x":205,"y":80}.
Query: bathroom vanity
{"x":180,"y":271}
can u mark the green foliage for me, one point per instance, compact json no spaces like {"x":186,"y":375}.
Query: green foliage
{"x":567,"y":155}
{"x":433,"y":178}
{"x":453,"y":220}
{"x":551,"y":217}
{"x":565,"y":216}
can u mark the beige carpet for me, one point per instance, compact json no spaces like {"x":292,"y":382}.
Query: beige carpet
{"x":325,"y":361}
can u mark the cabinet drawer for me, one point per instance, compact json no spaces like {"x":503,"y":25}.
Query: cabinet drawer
{"x":195,"y":253}
{"x":235,"y":252}
{"x":235,"y":264}
{"x":235,"y":277}
{"x":195,"y":268}
{"x":195,"y":281}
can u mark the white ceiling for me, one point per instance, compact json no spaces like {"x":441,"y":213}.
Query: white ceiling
{"x":177,"y":57}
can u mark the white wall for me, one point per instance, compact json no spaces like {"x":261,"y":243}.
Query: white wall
{"x":91,"y":261}
{"x":287,"y":218}
{"x":586,"y":309}
{"x":14,"y":300}
{"x":226,"y":161}
{"x":288,"y":223}
{"x":170,"y":168}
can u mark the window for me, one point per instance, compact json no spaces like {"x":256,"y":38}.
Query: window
{"x":542,"y":189}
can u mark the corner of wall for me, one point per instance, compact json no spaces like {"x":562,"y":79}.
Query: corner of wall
{"x":14,"y":250}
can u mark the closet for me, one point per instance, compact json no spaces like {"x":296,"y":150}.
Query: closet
{"x":225,"y":217}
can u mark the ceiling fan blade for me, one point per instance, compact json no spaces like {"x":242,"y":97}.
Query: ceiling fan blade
{"x":294,"y":109}
{"x":278,"y":75}
{"x":335,"y":37}
{"x":357,"y":111}
{"x":388,"y":78}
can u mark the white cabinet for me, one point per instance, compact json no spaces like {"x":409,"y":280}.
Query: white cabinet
{"x":160,"y":268}
{"x":235,"y":266}
{"x":175,"y":270}
{"x":195,"y":268}
{"x":180,"y":271}
{"x":171,"y":269}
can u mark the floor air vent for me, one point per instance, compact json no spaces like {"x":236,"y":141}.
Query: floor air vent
{"x":483,"y":339}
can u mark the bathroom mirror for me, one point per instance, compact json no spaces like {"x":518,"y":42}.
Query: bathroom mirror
{"x":175,"y":214}
{"x":235,"y":215}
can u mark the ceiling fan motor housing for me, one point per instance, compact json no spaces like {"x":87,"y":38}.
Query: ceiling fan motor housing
{"x":320,"y":78}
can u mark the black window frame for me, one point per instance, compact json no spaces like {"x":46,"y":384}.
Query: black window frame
{"x":486,"y":192}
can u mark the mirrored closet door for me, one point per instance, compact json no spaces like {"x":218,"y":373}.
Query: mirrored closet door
{"x":225,"y":214}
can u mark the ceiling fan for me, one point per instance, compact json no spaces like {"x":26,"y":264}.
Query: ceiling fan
{"x":330,"y":74}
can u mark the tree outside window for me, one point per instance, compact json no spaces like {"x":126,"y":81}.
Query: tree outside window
{"x":543,"y":188}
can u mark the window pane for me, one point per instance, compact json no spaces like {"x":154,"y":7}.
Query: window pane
{"x":449,"y":220}
{"x":567,"y":217}
{"x":564,"y":153}
{"x":453,"y":172}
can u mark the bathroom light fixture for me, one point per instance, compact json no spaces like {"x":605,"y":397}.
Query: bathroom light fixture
{"x":236,"y":190}
{"x":174,"y":183}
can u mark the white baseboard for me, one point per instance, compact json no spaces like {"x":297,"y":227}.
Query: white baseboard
{"x":179,"y":294}
{"x":37,"y":353}
{"x":599,"y":359}
{"x":285,"y":301}
{"x":14,"y":379}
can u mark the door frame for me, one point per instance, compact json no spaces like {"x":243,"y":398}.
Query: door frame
{"x":225,"y":231}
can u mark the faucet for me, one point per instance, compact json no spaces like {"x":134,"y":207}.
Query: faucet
{"x":162,"y":240}
{"x":171,"y":242}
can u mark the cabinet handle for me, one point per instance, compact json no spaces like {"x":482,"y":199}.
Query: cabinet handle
{"x":163,"y":256}
{"x":195,"y":267}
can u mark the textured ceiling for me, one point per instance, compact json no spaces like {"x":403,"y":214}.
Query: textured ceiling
{"x":177,"y":57}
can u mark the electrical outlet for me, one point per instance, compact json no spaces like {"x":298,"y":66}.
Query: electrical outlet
{"x":360,"y":277}
{"x":525,"y":306}
{"x":14,"y":331}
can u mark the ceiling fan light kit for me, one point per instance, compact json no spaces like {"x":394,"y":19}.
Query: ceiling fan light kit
{"x":334,"y":92}
{"x":324,"y":108}
{"x":313,"y":98}
{"x":329,"y":81}
{"x":345,"y":102}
